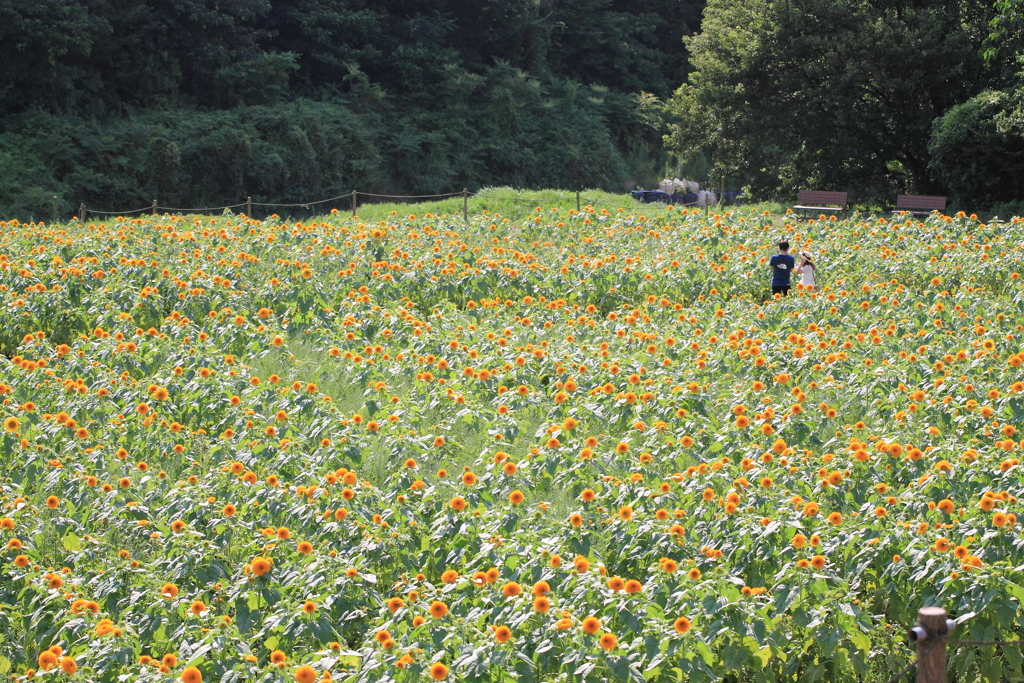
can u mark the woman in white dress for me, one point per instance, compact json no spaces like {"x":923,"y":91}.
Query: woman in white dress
{"x":806,"y":270}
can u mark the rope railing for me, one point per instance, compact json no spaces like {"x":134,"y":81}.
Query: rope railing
{"x":207,"y":208}
{"x":411,"y":196}
{"x":944,"y":639}
{"x":354,"y":196}
{"x":304,"y":205}
{"x":121,"y":213}
{"x":931,"y":635}
{"x":913,"y":662}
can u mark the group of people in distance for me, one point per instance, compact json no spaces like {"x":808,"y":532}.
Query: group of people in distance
{"x":782,"y":264}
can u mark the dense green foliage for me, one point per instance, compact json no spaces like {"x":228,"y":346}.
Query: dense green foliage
{"x":520,"y":133}
{"x":860,"y":95}
{"x":560,"y":447}
{"x":114,"y":102}
{"x":199,"y":102}
{"x":978,"y":147}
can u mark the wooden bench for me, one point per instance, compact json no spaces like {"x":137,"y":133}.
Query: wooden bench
{"x":920,"y":205}
{"x":821,"y":201}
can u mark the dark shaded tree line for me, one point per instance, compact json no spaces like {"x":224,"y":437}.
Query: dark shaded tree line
{"x":114,"y":102}
{"x":877,"y":97}
{"x":202,"y":102}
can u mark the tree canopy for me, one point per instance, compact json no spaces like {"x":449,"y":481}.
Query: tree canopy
{"x":834,"y":94}
{"x":115,"y":101}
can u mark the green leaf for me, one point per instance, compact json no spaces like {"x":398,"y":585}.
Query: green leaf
{"x":991,"y":668}
{"x":71,"y":542}
{"x":860,"y":641}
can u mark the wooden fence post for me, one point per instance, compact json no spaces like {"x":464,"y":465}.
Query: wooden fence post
{"x":248,"y":207}
{"x":81,"y":213}
{"x":154,"y":207}
{"x":577,"y":201}
{"x":354,"y":199}
{"x":465,"y":205}
{"x":930,"y":638}
{"x":54,"y":208}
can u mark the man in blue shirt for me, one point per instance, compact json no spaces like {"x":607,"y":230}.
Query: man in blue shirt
{"x":782,"y":265}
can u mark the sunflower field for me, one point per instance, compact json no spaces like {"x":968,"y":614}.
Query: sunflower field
{"x":575,"y":446}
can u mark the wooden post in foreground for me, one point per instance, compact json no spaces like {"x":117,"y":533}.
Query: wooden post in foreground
{"x":154,"y":207}
{"x":577,"y":201}
{"x":54,"y":208}
{"x":354,"y":193}
{"x":81,"y":213}
{"x":248,"y":207}
{"x":465,"y":205}
{"x":929,"y":635}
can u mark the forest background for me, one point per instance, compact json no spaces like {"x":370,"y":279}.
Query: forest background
{"x":204,"y":102}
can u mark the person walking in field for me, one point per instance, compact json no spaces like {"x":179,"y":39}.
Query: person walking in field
{"x":782,"y":265}
{"x":806,"y":270}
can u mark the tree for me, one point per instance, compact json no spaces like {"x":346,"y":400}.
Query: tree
{"x":627,"y":49}
{"x":330,"y":38}
{"x":977,"y":147}
{"x":834,"y":94}
{"x":1004,"y":48}
{"x":45,"y":44}
{"x":203,"y":102}
{"x":108,"y":53}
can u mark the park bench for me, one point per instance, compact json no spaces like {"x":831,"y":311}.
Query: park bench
{"x":920,"y":205}
{"x":821,"y":201}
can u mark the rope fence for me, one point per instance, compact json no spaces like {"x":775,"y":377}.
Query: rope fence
{"x":354,"y":198}
{"x":169,"y":209}
{"x":931,"y":635}
{"x":411,"y":196}
{"x":913,"y":662}
{"x":304,"y":205}
{"x":119,"y":213}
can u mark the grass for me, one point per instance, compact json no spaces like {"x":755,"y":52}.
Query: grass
{"x":518,"y":204}
{"x":507,"y":202}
